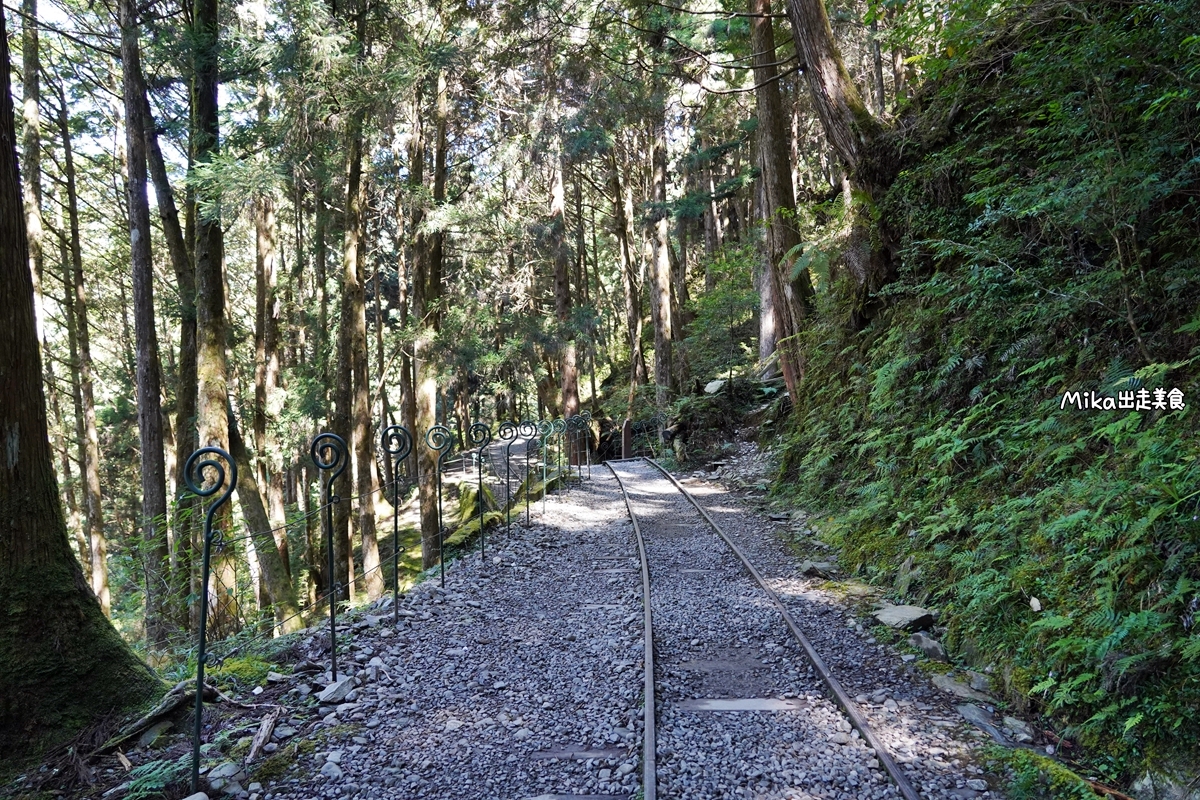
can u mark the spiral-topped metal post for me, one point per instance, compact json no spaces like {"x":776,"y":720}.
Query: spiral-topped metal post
{"x":574,"y":435}
{"x":397,"y":443}
{"x":193,"y":475}
{"x":480,"y":436}
{"x":528,"y":429}
{"x":329,"y":453}
{"x":508,"y":434}
{"x":587,"y":440}
{"x":560,"y":428}
{"x":544,"y":427}
{"x":440,"y":439}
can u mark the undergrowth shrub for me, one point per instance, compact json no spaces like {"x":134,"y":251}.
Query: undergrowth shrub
{"x":1048,"y":246}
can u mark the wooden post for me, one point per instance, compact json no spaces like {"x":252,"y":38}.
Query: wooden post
{"x":627,"y":439}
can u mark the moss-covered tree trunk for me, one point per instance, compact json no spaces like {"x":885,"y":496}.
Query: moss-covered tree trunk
{"x":156,"y":556}
{"x":62,"y":665}
{"x":185,"y":383}
{"x":212,"y":328}
{"x":850,"y":128}
{"x":427,"y":286}
{"x":789,"y":298}
{"x":281,"y":592}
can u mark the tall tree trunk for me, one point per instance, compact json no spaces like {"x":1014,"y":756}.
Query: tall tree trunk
{"x":623,"y":229}
{"x":343,"y":401}
{"x":268,"y":365}
{"x":31,"y":113}
{"x":62,"y":665}
{"x":568,"y":370}
{"x":182,"y":557}
{"x":679,"y":280}
{"x":789,"y":298}
{"x":427,"y":284}
{"x":320,"y":582}
{"x":765,"y":283}
{"x":714,"y":235}
{"x":660,"y":264}
{"x":353,"y":406}
{"x":385,"y":411}
{"x":313,"y":557}
{"x":268,"y":369}
{"x":149,"y":390}
{"x":408,"y":397}
{"x":212,"y":394}
{"x":76,"y":523}
{"x":848,"y":125}
{"x":321,"y":267}
{"x":877,"y":67}
{"x":89,"y":441}
{"x":360,"y":409}
{"x":274,"y":573}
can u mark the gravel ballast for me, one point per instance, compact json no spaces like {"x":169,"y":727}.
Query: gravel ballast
{"x":521,"y":679}
{"x":917,"y":722}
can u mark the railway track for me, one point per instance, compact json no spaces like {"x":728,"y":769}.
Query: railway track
{"x":737,"y":698}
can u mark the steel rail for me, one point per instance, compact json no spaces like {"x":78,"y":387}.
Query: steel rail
{"x":649,"y":767}
{"x":907,"y":790}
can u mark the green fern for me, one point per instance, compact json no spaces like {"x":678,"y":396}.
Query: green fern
{"x":151,"y":780}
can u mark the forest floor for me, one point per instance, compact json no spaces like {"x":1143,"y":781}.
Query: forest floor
{"x":523,"y":679}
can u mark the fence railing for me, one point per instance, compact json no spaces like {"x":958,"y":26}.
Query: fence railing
{"x":211,"y":472}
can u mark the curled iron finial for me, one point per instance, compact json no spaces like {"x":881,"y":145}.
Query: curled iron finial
{"x":397,"y":442}
{"x":193,"y":476}
{"x":527,"y":428}
{"x":439,"y":438}
{"x":587,"y":416}
{"x":507,"y":431}
{"x":575,"y":422}
{"x":544,"y":427}
{"x":480,"y":435}
{"x":559,"y":425}
{"x":329,"y":452}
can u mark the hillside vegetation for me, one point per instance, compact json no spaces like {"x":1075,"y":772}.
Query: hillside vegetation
{"x":1045,"y":222}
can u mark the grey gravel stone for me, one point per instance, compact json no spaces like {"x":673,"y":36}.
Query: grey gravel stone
{"x":908,"y":618}
{"x":948,"y":683}
{"x":929,"y":646}
{"x":337,"y":691}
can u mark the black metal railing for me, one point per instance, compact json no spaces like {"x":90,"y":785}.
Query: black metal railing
{"x":211,"y":472}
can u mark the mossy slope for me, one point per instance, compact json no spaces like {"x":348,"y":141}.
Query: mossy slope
{"x":1049,"y":243}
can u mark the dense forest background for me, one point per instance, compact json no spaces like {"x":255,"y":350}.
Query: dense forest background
{"x":903,"y":229}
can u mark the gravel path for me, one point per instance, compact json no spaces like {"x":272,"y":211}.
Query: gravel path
{"x":917,"y":722}
{"x":521,"y":680}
